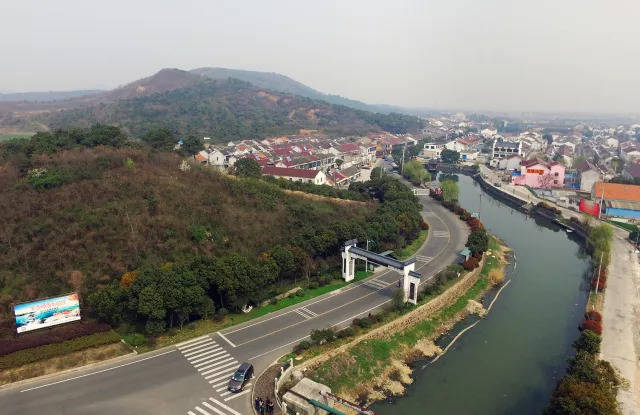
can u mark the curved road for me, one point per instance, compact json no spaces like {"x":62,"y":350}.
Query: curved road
{"x":190,"y":378}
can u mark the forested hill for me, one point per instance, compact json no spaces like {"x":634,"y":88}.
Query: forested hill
{"x":281,"y":83}
{"x":82,"y":208}
{"x":229,"y":110}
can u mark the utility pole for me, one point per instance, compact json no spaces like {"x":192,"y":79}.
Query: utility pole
{"x":601,"y":201}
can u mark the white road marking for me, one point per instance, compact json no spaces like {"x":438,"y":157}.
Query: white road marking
{"x":203,"y":352}
{"x":306,"y":310}
{"x":213,"y":408}
{"x":225,"y":339}
{"x":204,"y":356}
{"x":233,"y":411}
{"x":218,"y":366}
{"x":212,"y":358}
{"x":237,"y":395}
{"x":95,"y":373}
{"x":224,"y":375}
{"x":225,"y":383}
{"x":210,"y":372}
{"x":205,"y":369}
{"x":202,"y":411}
{"x":197,"y":349}
{"x":302,"y":314}
{"x":191,"y":413}
{"x":194,"y":342}
{"x":190,"y":342}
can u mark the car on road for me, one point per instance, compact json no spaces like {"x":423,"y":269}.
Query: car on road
{"x":240,"y":377}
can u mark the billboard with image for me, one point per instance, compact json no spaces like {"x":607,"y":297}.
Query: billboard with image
{"x":48,"y":312}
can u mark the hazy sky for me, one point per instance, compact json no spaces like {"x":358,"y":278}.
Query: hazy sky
{"x":576,"y":55}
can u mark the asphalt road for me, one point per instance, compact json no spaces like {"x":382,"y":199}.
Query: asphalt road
{"x":190,"y":378}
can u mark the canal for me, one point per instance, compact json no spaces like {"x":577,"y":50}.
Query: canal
{"x":509,"y":363}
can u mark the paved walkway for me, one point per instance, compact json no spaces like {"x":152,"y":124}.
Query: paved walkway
{"x":620,"y":339}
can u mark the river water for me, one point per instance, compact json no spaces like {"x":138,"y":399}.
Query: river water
{"x":509,"y":363}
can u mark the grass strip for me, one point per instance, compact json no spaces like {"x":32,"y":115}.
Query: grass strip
{"x":23,"y":357}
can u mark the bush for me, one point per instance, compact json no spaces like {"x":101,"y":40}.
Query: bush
{"x":593,"y":315}
{"x":470,"y":264}
{"x":321,"y":336}
{"x":601,"y":283}
{"x":48,"y":351}
{"x":347,"y":332}
{"x":589,"y":342}
{"x":593,"y":326}
{"x":302,"y":346}
{"x":52,"y":336}
{"x":424,"y":225}
{"x":300,"y":293}
{"x":397,"y":299}
{"x":363,"y":323}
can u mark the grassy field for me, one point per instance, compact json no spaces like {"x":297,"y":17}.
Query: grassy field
{"x":628,"y":226}
{"x":369,"y":358}
{"x":413,"y":247}
{"x":202,"y":327}
{"x":4,"y":137}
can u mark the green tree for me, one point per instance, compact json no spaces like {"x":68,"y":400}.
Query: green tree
{"x":397,"y":299}
{"x":450,"y":156}
{"x":247,"y":167}
{"x":589,"y":342}
{"x":150,"y":303}
{"x":108,"y":303}
{"x":478,"y":241}
{"x":161,"y":139}
{"x":285,"y":260}
{"x":415,"y":172}
{"x":191,"y":145}
{"x":450,"y":190}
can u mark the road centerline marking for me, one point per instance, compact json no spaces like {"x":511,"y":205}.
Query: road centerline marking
{"x":225,"y":339}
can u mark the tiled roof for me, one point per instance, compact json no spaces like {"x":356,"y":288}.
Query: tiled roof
{"x":287,"y":172}
{"x":617,"y":191}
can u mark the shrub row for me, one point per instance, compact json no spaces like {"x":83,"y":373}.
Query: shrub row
{"x":52,"y":336}
{"x":48,"y":351}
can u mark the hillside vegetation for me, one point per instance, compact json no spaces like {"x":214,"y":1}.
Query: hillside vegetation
{"x":85,"y":208}
{"x":190,"y":104}
{"x":230,"y":110}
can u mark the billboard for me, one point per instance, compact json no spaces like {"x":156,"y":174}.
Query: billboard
{"x":587,"y":206}
{"x":48,"y":312}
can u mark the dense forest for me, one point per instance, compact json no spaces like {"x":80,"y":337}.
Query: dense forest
{"x":144,"y":240}
{"x":229,"y":110}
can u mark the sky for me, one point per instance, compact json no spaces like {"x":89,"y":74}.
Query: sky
{"x":497,"y":55}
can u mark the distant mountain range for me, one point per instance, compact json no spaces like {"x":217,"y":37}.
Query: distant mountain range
{"x":220,"y":103}
{"x":45,"y":96}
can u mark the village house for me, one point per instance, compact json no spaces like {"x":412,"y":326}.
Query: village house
{"x":297,"y":175}
{"x":539,"y":175}
{"x":618,"y":200}
{"x":501,"y":148}
{"x":588,"y":175}
{"x":510,"y":163}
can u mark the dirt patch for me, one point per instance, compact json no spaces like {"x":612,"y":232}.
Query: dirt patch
{"x":474,"y":307}
{"x":311,"y":196}
{"x":59,"y":363}
{"x":427,"y":348}
{"x":264,"y":386}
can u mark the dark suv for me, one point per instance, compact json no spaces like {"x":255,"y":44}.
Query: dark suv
{"x":240,"y":377}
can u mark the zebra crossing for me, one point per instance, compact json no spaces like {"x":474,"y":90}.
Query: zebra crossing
{"x":306,"y":313}
{"x":216,"y":366}
{"x":422,"y":258}
{"x":440,"y":234}
{"x":215,"y":406}
{"x":376,"y":284}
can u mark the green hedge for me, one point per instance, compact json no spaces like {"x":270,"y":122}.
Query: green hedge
{"x":23,"y":357}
